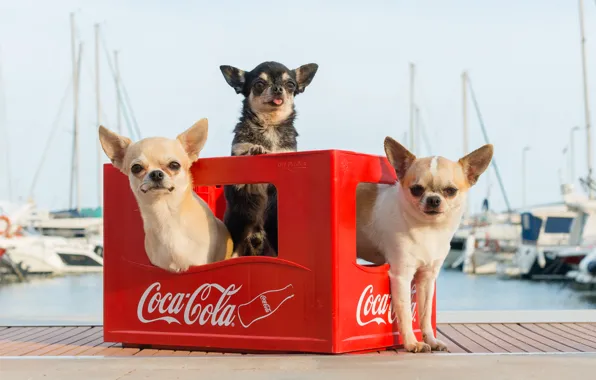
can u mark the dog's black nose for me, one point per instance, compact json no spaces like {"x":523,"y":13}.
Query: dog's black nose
{"x":277,"y":89}
{"x":156,"y":175}
{"x":433,"y":201}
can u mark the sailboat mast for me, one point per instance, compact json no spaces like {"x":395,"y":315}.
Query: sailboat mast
{"x":412,"y":110}
{"x":118,"y":97}
{"x":464,"y":80}
{"x":74,"y":82}
{"x":417,"y":127}
{"x":586,"y":100}
{"x":98,"y":106}
{"x":76,"y":69}
{"x":76,"y":134}
{"x":4,"y":127}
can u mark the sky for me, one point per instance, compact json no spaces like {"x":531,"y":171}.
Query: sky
{"x":523,"y":58}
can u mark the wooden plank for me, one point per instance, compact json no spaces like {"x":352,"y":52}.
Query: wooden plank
{"x":519,"y":344}
{"x":582,"y":330}
{"x":513,"y":330}
{"x":101,"y":352}
{"x":9,"y":346}
{"x":167,"y":353}
{"x":556,"y":336}
{"x":116,"y":350}
{"x":23,"y":335}
{"x":39,"y":342}
{"x":94,"y":350}
{"x":490,"y":346}
{"x":460,"y":338}
{"x":198,"y":353}
{"x":9,"y":330}
{"x":465,"y":342}
{"x":568,"y":334}
{"x":129,"y":351}
{"x":66,"y":343}
{"x":172,"y":353}
{"x":239,"y":354}
{"x":504,"y":345}
{"x":17,"y":333}
{"x":60,"y":335}
{"x":546,"y":337}
{"x":146,"y":352}
{"x":88,"y":349}
{"x":577,"y":333}
{"x":451,"y":345}
{"x":83,"y":342}
{"x":589,"y":326}
{"x":75,"y":351}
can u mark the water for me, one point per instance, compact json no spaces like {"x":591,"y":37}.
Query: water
{"x":458,"y":291}
{"x":79,"y":298}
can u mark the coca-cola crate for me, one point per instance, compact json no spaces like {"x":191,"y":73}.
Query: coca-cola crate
{"x":313,"y":297}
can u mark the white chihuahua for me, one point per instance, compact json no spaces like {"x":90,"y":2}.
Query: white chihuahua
{"x":180,"y":229}
{"x":410,"y":225}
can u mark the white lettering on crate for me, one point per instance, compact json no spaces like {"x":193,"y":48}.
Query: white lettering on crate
{"x":377,"y":308}
{"x":190,"y":308}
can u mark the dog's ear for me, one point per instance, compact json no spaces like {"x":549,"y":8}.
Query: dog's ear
{"x":114,"y":146}
{"x":399,"y":157}
{"x":234,"y":77}
{"x":305,"y":75}
{"x":194,"y":138}
{"x":475,"y":163}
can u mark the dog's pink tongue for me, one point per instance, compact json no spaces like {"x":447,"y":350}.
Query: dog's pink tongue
{"x":278,"y":101}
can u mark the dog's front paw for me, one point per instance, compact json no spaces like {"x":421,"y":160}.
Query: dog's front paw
{"x":255,"y":150}
{"x":439,"y":346}
{"x":434,"y":343}
{"x":417,"y":347}
{"x":256,"y":243}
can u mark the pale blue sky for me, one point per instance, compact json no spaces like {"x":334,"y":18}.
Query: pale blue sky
{"x":523,"y":58}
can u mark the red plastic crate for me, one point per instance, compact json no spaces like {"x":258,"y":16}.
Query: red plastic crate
{"x":313,"y":297}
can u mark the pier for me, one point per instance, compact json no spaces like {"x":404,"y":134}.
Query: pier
{"x":495,"y":346}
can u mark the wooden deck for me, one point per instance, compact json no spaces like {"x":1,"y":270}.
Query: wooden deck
{"x":460,"y":338}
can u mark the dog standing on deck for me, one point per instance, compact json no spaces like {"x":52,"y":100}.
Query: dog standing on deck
{"x":180,"y":229}
{"x":410,"y":225}
{"x":266,"y":126}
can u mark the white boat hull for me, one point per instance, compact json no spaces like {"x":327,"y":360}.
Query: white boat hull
{"x":47,"y":255}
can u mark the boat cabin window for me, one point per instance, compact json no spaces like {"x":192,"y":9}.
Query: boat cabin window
{"x":557,"y":225}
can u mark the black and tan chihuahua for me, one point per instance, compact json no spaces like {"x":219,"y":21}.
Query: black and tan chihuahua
{"x":265,"y":126}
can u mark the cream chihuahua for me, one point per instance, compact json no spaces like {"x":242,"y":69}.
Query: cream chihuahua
{"x":180,"y":229}
{"x":410,"y":224}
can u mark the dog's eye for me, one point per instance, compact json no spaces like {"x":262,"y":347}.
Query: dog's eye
{"x":291,"y":86}
{"x":417,"y":190}
{"x":174,"y":165}
{"x":136,"y":169}
{"x":259,"y":86}
{"x":450,"y":191}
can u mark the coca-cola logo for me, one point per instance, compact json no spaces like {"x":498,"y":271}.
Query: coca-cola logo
{"x":209,"y":304}
{"x":378,"y":308}
{"x":196,"y":308}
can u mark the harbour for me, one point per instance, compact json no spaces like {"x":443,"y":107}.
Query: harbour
{"x":515,"y":297}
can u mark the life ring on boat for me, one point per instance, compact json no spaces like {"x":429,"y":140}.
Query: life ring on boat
{"x":6,"y":231}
